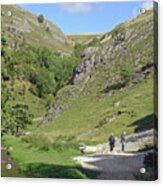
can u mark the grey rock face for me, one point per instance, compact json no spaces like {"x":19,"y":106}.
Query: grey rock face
{"x":101,"y":67}
{"x":89,"y":51}
{"x":80,"y":72}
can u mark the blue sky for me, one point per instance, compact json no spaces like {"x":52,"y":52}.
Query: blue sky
{"x":80,"y":18}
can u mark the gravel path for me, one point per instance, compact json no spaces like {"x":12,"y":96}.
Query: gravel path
{"x":117,"y":165}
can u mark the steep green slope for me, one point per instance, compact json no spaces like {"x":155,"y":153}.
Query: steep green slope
{"x":111,"y":91}
{"x":23,"y":28}
{"x":37,"y":60}
{"x":92,"y":121}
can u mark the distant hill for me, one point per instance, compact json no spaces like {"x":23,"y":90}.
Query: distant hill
{"x":82,"y":38}
{"x":23,"y":27}
{"x":34,"y":53}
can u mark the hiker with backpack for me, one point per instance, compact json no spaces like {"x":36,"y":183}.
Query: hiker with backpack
{"x":123,"y":141}
{"x":111,"y":142}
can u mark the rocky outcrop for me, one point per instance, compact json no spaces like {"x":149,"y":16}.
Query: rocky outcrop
{"x":118,"y":63}
{"x":63,"y":100}
{"x":121,"y":46}
{"x":83,"y":70}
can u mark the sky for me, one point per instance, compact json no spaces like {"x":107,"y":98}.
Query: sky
{"x":84,"y":18}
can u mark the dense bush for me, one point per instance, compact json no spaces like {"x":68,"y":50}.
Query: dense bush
{"x":94,"y":42}
{"x":46,"y":72}
{"x":15,"y":117}
{"x":78,"y":49}
{"x":47,"y":142}
{"x":4,"y":40}
{"x":40,"y":18}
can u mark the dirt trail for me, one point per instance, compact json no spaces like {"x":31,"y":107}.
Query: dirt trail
{"x":117,"y":165}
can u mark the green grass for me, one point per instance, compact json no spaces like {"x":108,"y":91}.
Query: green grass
{"x":36,"y":105}
{"x":87,"y":112}
{"x":49,"y":150}
{"x":39,"y":163}
{"x":37,"y":36}
{"x":25,"y":153}
{"x":20,"y":93}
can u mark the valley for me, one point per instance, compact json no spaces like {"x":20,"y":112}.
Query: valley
{"x":60,"y":91}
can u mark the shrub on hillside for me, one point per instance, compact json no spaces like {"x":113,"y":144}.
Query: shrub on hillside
{"x":126,"y":71}
{"x":44,"y":70}
{"x":3,"y":40}
{"x":15,"y":118}
{"x":40,"y":18}
{"x":94,"y":43}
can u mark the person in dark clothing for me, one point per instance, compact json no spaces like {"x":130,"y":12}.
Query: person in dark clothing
{"x":123,"y":140}
{"x":111,"y":142}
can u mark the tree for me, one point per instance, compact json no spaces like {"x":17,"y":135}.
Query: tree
{"x":45,"y":83}
{"x":4,"y":40}
{"x":40,"y":18}
{"x":45,"y":71}
{"x":8,"y":123}
{"x":15,"y":118}
{"x":22,"y":116}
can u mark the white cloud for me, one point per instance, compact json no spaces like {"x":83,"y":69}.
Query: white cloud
{"x":147,"y":4}
{"x":74,"y":8}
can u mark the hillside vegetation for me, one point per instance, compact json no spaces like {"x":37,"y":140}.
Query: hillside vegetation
{"x":111,"y":89}
{"x":24,"y":28}
{"x":32,"y":70}
{"x":85,"y":90}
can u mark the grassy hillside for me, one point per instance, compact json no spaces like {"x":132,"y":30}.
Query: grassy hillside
{"x":43,"y":164}
{"x":122,"y":75}
{"x":110,"y":90}
{"x":23,"y":28}
{"x":93,"y":121}
{"x":33,"y":70}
